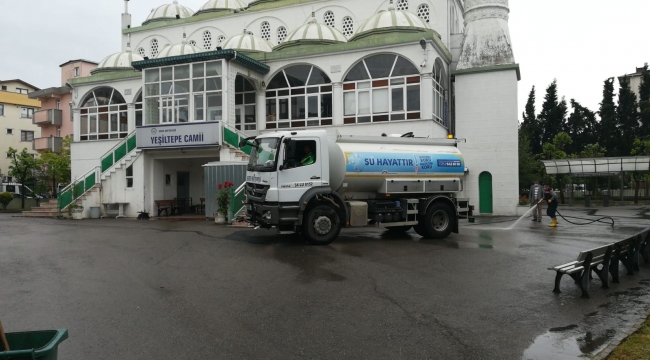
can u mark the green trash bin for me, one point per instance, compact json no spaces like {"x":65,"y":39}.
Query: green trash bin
{"x":33,"y":345}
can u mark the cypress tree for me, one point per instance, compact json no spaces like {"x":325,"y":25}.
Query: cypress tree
{"x":644,"y":101}
{"x":627,"y":117}
{"x":552,"y":119}
{"x":530,"y":125}
{"x":609,"y":132}
{"x":582,"y":126}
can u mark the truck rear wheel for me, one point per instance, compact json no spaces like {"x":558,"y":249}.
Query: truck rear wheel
{"x":321,"y":225}
{"x":437,"y":222}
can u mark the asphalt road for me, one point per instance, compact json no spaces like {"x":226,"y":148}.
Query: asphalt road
{"x":128,"y":289}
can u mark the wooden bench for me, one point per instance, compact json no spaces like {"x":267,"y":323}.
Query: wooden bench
{"x":168,"y":206}
{"x":580,"y":270}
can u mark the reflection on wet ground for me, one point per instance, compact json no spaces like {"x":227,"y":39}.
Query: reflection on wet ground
{"x":592,"y":335}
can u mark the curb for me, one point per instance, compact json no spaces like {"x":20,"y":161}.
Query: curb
{"x":616,"y":341}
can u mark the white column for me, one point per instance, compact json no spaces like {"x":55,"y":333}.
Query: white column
{"x":76,"y":124}
{"x":337,"y":103}
{"x":130,"y":117}
{"x":426,"y":96}
{"x":260,"y":109}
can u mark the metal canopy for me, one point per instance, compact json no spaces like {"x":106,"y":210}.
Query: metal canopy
{"x":597,"y":166}
{"x":227,"y":54}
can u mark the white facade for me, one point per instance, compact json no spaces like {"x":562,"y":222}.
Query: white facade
{"x":405,"y":86}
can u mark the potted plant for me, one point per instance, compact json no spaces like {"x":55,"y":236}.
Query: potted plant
{"x":75,"y":211}
{"x":223,"y":201}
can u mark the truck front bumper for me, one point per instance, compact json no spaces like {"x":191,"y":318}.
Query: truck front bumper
{"x":263,"y":214}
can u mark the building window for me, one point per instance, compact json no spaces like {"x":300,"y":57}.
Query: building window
{"x":402,"y":4}
{"x":282,"y":34}
{"x":26,"y":112}
{"x":265,"y":30}
{"x":10,"y":131}
{"x":103,"y":115}
{"x":58,"y":104}
{"x":220,"y":40}
{"x":381,"y":88}
{"x":170,"y":93}
{"x":8,"y":155}
{"x":207,"y":40}
{"x":76,"y":71}
{"x":249,"y":33}
{"x":154,"y":47}
{"x":192,"y":42}
{"x":22,"y":91}
{"x":138,"y":110}
{"x":328,"y":18}
{"x":2,"y":110}
{"x":142,"y":52}
{"x":4,"y":87}
{"x":26,"y":135}
{"x":439,"y":95}
{"x":423,"y":12}
{"x":299,"y":96}
{"x":348,"y":27}
{"x":244,"y":104}
{"x":129,"y":177}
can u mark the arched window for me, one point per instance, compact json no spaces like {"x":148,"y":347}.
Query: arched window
{"x":154,"y":47}
{"x":265,"y":30}
{"x":328,"y":18}
{"x":244,"y":104}
{"x":299,"y":96}
{"x":249,"y":33}
{"x":282,"y":34}
{"x":348,"y":27}
{"x":423,"y":12}
{"x":207,"y":40}
{"x":381,"y":88}
{"x":138,"y":110}
{"x":103,"y":115}
{"x":192,"y":42}
{"x":142,"y":52}
{"x":439,"y":101}
{"x":402,"y":4}
{"x":220,"y":40}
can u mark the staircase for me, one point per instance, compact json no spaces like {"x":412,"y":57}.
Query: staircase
{"x":231,"y":139}
{"x":46,"y":209}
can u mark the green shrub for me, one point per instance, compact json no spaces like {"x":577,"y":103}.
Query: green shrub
{"x":5,"y":199}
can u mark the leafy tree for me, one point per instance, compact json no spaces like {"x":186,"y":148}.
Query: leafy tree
{"x":22,"y":165}
{"x":5,"y":199}
{"x":552,"y":119}
{"x":627,"y":117}
{"x":644,"y":101}
{"x":54,"y":167}
{"x":593,"y":151}
{"x":530,"y":167}
{"x":531,"y":126}
{"x":582,"y":127}
{"x":557,"y":150}
{"x":609,"y":132}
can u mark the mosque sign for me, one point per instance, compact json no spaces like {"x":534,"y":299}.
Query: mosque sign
{"x":179,"y":135}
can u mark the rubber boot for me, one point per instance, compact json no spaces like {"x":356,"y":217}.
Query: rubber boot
{"x":553,"y":223}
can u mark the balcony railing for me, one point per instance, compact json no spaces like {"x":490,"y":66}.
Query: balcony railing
{"x":51,"y":143}
{"x":48,"y":117}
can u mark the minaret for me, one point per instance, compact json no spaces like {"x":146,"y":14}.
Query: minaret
{"x":485,"y":105}
{"x":126,"y":17}
{"x":487,"y":37}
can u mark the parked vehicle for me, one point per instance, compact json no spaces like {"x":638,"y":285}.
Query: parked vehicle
{"x":15,"y":190}
{"x":316,"y":182}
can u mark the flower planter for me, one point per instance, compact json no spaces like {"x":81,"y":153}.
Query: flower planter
{"x":219,"y":218}
{"x":77,"y":214}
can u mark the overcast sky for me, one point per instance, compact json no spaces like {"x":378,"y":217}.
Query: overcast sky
{"x":579,"y":42}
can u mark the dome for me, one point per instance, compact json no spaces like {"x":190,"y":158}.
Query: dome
{"x":313,"y":31}
{"x":391,"y":19}
{"x":179,"y":49}
{"x":118,"y":61}
{"x":217,"y":5}
{"x":168,"y":12}
{"x":247,"y":42}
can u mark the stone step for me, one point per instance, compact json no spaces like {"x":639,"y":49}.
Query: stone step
{"x":49,"y":214}
{"x":46,"y":206}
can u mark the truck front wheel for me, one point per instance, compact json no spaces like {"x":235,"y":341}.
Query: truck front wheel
{"x":437,"y":222}
{"x":321,"y":225}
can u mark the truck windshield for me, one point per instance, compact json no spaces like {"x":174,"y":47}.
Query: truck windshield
{"x":264,"y":154}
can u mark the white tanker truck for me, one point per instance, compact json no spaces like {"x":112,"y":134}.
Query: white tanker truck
{"x":316,"y":182}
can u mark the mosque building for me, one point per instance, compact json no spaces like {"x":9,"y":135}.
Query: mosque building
{"x":187,"y":85}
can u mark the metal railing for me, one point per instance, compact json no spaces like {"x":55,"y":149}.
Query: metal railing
{"x":233,"y":136}
{"x":78,"y":188}
{"x":118,"y":152}
{"x":237,"y":199}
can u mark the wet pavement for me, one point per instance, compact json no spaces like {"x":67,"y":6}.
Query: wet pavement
{"x":167,"y":290}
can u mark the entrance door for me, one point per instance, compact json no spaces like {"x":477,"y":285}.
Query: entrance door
{"x":183,"y":200}
{"x":485,"y":192}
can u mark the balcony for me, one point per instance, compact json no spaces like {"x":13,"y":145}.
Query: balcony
{"x":48,"y":117}
{"x":51,"y":143}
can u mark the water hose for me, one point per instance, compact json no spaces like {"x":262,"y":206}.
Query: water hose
{"x":600,"y":220}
